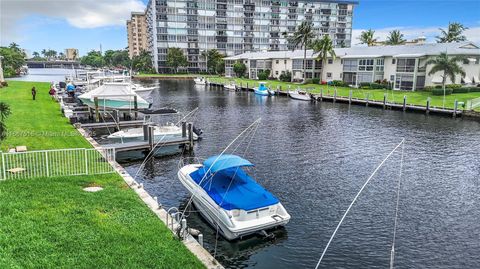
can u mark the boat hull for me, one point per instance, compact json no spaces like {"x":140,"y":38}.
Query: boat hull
{"x":299,"y":96}
{"x":113,"y":104}
{"x":222,"y":219}
{"x":262,"y":93}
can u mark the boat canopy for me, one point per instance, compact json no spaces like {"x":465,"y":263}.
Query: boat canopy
{"x":114,"y":91}
{"x":217,"y":163}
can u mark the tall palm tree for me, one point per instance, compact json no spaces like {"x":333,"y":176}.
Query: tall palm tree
{"x":323,"y":47}
{"x":302,"y":37}
{"x":367,"y":37}
{"x":395,"y":38}
{"x":454,"y":33}
{"x":44,"y":53}
{"x":449,"y":66}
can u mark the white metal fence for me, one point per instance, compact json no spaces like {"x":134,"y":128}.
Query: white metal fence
{"x":473,"y":103}
{"x":52,"y":163}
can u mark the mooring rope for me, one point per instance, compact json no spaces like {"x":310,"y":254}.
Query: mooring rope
{"x":355,"y":199}
{"x":392,"y":252}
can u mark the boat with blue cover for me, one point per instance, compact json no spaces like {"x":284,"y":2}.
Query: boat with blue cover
{"x":230,"y":199}
{"x":262,"y":89}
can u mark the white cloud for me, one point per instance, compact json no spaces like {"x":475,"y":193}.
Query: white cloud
{"x":472,"y":34}
{"x":78,"y":13}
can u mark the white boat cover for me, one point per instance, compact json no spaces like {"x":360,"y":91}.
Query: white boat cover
{"x":114,"y":91}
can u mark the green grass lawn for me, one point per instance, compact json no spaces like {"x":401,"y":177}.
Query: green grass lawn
{"x":394,"y":96}
{"x":37,"y":124}
{"x":53,"y":223}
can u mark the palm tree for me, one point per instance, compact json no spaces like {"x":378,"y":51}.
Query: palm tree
{"x":395,"y":38}
{"x":35,"y":54}
{"x":454,"y":33}
{"x":44,"y":53}
{"x":449,"y":66}
{"x":366,"y":37}
{"x":4,"y":112}
{"x":323,"y":47}
{"x":302,"y":38}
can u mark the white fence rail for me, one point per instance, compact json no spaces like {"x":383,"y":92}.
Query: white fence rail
{"x":52,"y":163}
{"x":473,"y":103}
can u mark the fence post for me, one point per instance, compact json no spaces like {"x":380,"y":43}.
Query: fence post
{"x":3,"y":167}
{"x":46,"y":162}
{"x":86,"y":162}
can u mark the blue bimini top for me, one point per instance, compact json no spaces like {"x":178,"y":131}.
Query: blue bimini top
{"x":229,"y":186}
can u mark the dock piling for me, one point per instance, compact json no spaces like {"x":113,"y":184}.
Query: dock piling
{"x":151,"y":137}
{"x":145,"y":132}
{"x":404,"y":103}
{"x":384,"y":100}
{"x":190,"y":135}
{"x":184,"y":129}
{"x":366,"y":99}
{"x":200,"y":239}
{"x":321,"y":94}
{"x":427,"y":110}
{"x":350,"y":97}
{"x":455,"y":107}
{"x":97,"y":113}
{"x":135,"y":106}
{"x":335,"y":95}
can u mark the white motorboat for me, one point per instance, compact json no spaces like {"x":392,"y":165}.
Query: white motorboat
{"x":230,"y":86}
{"x":114,"y":96}
{"x":163,"y":133}
{"x":228,"y":198}
{"x":299,"y":95}
{"x":200,"y":81}
{"x":142,"y":90}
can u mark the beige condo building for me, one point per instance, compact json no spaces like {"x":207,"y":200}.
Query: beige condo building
{"x":137,"y":33}
{"x":71,"y":54}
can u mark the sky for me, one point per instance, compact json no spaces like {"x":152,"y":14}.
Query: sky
{"x":87,"y":24}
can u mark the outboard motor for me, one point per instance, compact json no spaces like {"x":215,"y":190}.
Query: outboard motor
{"x":197,"y":131}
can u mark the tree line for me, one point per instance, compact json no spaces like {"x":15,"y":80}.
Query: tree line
{"x":176,"y":60}
{"x":13,"y":58}
{"x":119,"y":59}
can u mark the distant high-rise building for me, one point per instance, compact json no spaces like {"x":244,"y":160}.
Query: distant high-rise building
{"x":71,"y":54}
{"x":137,"y":33}
{"x":237,"y":26}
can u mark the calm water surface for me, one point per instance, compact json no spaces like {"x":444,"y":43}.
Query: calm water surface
{"x":314,"y":158}
{"x":45,"y":75}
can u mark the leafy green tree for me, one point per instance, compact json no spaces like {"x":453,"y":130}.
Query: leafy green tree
{"x":4,"y":113}
{"x":108,"y":57}
{"x":61,"y":56}
{"x":367,"y":37}
{"x":13,"y":60}
{"x":302,"y":37}
{"x":213,"y":58}
{"x":143,"y":62}
{"x":121,"y":58}
{"x":176,"y":58}
{"x":323,"y":47}
{"x":449,"y":66}
{"x":36,"y":54}
{"x":239,"y":68}
{"x":395,"y":38}
{"x":454,"y":33}
{"x":93,"y":58}
{"x":220,"y":69}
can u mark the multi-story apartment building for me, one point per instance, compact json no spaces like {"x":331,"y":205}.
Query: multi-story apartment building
{"x":137,"y":33}
{"x":71,"y":54}
{"x":238,"y":26}
{"x":404,"y":66}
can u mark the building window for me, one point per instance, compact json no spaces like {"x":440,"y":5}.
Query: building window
{"x":393,"y":61}
{"x":406,"y":65}
{"x":285,"y":61}
{"x":276,"y":61}
{"x":341,"y":61}
{"x":392,"y":77}
{"x":330,"y":61}
{"x":404,"y":82}
{"x":276,"y":73}
{"x":341,"y":75}
{"x":329,"y":75}
{"x":297,"y":64}
{"x":350,"y":65}
{"x":365,"y":65}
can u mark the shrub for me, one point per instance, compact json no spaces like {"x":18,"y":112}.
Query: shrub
{"x":475,"y":89}
{"x":364,"y":85}
{"x":308,"y":81}
{"x":339,"y":83}
{"x":376,"y":86}
{"x":438,"y":86}
{"x":315,"y":80}
{"x":461,"y":90}
{"x":286,"y":76}
{"x":263,"y":75}
{"x":428,"y":88}
{"x":454,"y":86}
{"x":437,"y":91}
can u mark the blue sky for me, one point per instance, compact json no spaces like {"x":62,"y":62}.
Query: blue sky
{"x":51,"y":24}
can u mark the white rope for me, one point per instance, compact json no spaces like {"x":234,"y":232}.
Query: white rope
{"x":392,"y":253}
{"x":355,"y":199}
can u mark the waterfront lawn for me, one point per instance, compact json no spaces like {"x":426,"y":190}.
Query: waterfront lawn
{"x":393,"y":96}
{"x":37,"y":124}
{"x":53,"y":223}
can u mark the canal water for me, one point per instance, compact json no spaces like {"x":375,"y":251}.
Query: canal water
{"x":315,"y":157}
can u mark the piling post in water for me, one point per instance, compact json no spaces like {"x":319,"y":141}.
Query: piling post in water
{"x":335,"y":95}
{"x":200,"y":239}
{"x":151,"y":137}
{"x":321,"y":94}
{"x":97,"y":113}
{"x":145,"y":132}
{"x":428,"y":106}
{"x":404,"y":102}
{"x":366,"y":99}
{"x":350,"y":97}
{"x":184,"y":129}
{"x":190,"y":135}
{"x":247,"y":86}
{"x":455,"y":107}
{"x":135,"y":106}
{"x":384,"y":100}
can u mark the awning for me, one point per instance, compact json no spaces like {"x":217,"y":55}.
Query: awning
{"x":437,"y":79}
{"x":222,"y":162}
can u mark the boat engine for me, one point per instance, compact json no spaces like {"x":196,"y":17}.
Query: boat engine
{"x":197,"y":131}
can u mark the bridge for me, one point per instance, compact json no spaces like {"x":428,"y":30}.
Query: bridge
{"x":53,"y":64}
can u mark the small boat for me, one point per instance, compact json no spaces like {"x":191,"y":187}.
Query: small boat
{"x":262,"y":89}
{"x":230,"y":199}
{"x":299,"y":95}
{"x":114,"y":96}
{"x":164,"y":133}
{"x":142,"y":90}
{"x":230,"y":86}
{"x":200,"y":81}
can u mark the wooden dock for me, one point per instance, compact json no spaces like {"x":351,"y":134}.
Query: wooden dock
{"x":120,"y":124}
{"x":145,"y":145}
{"x":365,"y":102}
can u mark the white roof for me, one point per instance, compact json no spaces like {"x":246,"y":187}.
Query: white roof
{"x":114,"y":91}
{"x":417,"y":50}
